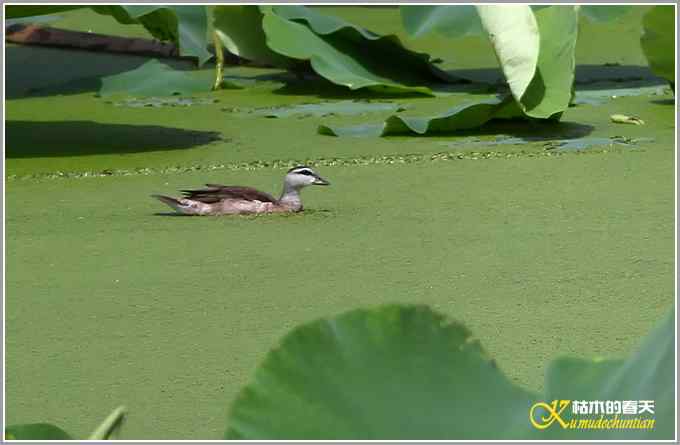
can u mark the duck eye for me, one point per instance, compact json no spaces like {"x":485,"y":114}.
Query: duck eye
{"x":305,"y":172}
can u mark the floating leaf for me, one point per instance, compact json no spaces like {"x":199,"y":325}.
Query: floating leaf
{"x":462,"y":117}
{"x":154,"y":78}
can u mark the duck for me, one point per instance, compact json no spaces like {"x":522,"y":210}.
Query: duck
{"x":217,"y":199}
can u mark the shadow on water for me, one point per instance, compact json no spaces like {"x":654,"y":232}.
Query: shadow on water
{"x":472,"y":81}
{"x":615,"y":76}
{"x":27,"y":139}
{"x":172,"y":214}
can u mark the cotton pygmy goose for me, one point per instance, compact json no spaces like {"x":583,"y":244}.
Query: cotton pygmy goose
{"x":229,"y":200}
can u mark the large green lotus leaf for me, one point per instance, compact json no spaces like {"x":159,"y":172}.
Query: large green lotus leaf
{"x":240,"y":30}
{"x":658,"y":41}
{"x":396,"y":372}
{"x":648,"y":374}
{"x":154,"y":78}
{"x":36,"y":431}
{"x":406,"y":373}
{"x":346,"y":54}
{"x":185,"y":25}
{"x":462,"y":117}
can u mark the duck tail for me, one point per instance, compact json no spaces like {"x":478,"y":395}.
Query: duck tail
{"x":184,"y":206}
{"x":172,"y":202}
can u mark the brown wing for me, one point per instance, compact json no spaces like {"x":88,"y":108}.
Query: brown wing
{"x":216,"y":192}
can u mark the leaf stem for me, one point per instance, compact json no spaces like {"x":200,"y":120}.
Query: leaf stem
{"x":219,"y":67}
{"x":110,"y":425}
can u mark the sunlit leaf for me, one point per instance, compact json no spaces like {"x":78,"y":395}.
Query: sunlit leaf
{"x":515,"y":37}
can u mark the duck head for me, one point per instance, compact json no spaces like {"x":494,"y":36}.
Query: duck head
{"x":302,"y":176}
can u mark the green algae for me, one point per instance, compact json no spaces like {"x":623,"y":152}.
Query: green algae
{"x":554,"y":235}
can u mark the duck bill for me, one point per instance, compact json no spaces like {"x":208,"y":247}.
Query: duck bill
{"x":318,"y":180}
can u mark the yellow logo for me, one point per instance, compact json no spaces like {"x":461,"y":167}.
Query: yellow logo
{"x":593,"y":414}
{"x":553,"y":411}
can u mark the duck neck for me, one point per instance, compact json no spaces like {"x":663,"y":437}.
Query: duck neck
{"x":290,"y":198}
